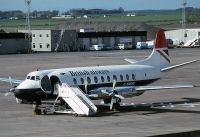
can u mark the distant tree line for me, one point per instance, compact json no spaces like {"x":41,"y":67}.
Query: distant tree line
{"x":95,"y":11}
{"x":193,"y":14}
{"x":34,"y":14}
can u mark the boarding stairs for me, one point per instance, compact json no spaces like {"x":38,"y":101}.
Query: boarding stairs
{"x":76,"y":100}
{"x":191,"y":43}
{"x":59,"y":39}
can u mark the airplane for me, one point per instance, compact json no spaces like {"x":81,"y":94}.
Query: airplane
{"x":111,"y":83}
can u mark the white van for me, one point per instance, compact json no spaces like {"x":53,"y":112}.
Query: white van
{"x":96,"y":47}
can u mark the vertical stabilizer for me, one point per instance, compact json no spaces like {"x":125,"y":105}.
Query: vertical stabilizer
{"x":159,"y":56}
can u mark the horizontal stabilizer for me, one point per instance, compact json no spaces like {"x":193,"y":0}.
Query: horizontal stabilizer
{"x":130,"y":60}
{"x":177,"y":66}
{"x":144,"y":88}
{"x":15,"y":81}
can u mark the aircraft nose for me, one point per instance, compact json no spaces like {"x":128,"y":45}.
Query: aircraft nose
{"x":18,"y":93}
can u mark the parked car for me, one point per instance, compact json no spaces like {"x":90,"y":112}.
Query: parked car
{"x":96,"y":47}
{"x":145,"y":45}
{"x":123,"y":46}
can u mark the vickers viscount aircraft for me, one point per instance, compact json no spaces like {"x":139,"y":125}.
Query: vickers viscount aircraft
{"x":110,"y":83}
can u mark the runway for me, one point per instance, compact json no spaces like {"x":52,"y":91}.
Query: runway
{"x":153,"y":113}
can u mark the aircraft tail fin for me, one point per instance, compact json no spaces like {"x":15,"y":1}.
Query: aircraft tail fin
{"x":159,"y":56}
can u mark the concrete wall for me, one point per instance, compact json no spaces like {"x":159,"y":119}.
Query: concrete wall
{"x":13,"y":46}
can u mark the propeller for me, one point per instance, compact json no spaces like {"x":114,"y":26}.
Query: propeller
{"x":12,"y":89}
{"x":113,"y":94}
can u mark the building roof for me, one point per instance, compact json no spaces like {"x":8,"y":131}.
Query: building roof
{"x":12,"y":35}
{"x":111,"y":34}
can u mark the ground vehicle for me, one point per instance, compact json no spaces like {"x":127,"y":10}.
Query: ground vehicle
{"x":123,"y":46}
{"x":96,"y":47}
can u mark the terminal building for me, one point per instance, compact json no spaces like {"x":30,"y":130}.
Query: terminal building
{"x":111,"y":39}
{"x":72,"y":40}
{"x":12,"y":43}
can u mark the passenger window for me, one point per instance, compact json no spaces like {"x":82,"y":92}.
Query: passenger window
{"x":121,"y":77}
{"x":127,"y":77}
{"x":95,"y":79}
{"x":133,"y":76}
{"x":33,"y":78}
{"x":75,"y":81}
{"x":88,"y":80}
{"x":82,"y":81}
{"x":37,"y":78}
{"x":108,"y":78}
{"x":115,"y":77}
{"x":102,"y":79}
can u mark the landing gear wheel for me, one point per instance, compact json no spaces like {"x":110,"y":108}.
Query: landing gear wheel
{"x":37,"y":111}
{"x":116,"y":106}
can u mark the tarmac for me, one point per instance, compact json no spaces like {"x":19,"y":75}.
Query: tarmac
{"x":153,"y":113}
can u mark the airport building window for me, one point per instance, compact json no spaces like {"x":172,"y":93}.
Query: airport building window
{"x":95,"y":79}
{"x":102,"y":79}
{"x":127,"y":77}
{"x":33,"y":35}
{"x":115,"y":77}
{"x":108,"y":78}
{"x":47,"y":35}
{"x":88,"y":80}
{"x":82,"y":81}
{"x":40,"y":45}
{"x":33,"y":45}
{"x":121,"y":77}
{"x":40,"y":35}
{"x":47,"y":45}
{"x":75,"y":81}
{"x":133,"y":76}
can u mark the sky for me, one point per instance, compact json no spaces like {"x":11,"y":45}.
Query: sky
{"x":63,"y":5}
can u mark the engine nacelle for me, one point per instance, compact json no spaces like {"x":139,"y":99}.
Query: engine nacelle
{"x":126,"y":92}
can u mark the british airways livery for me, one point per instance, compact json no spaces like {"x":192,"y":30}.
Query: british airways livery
{"x":101,"y":82}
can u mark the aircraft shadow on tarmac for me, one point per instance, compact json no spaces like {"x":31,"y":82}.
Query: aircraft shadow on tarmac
{"x":154,"y":108}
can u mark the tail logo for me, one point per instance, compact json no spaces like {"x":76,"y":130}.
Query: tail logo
{"x":164,"y":54}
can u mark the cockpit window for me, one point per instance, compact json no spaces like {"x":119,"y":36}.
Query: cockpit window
{"x":37,"y":77}
{"x":28,"y":77}
{"x":33,"y":78}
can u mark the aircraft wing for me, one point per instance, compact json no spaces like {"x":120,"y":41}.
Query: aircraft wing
{"x":145,"y":88}
{"x":15,"y":81}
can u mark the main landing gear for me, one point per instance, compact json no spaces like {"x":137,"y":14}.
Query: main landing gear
{"x":116,"y":105}
{"x":36,"y":109}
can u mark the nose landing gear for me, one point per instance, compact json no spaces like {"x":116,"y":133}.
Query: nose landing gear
{"x":36,"y":109}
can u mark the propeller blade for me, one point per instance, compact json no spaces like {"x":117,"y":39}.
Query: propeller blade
{"x":10,"y":80}
{"x":7,"y":93}
{"x":18,"y":101}
{"x":119,"y":96}
{"x":111,"y":104}
{"x":114,"y":84}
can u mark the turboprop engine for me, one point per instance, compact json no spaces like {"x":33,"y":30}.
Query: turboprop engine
{"x":108,"y":92}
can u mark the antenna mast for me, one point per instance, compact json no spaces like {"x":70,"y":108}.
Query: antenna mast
{"x":28,"y":4}
{"x":27,"y":25}
{"x":184,"y":19}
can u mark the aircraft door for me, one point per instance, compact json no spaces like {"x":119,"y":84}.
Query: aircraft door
{"x":45,"y":84}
